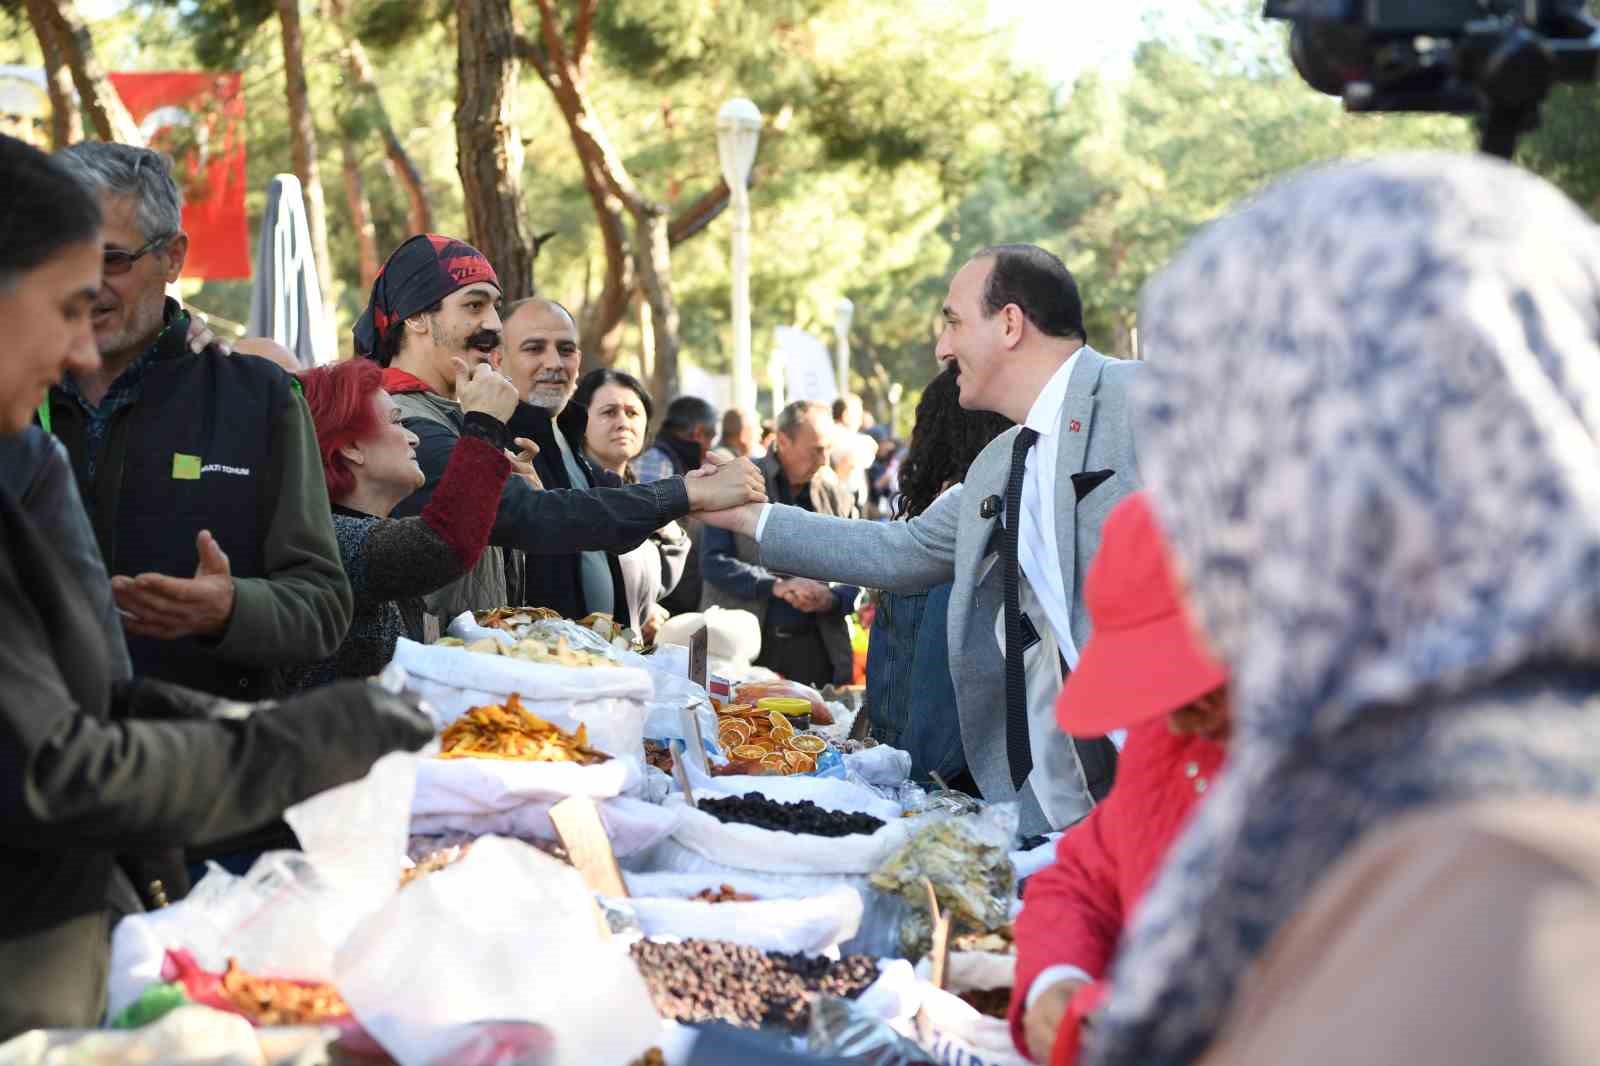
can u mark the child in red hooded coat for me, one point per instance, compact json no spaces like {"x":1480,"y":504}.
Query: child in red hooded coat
{"x":1146,"y":670}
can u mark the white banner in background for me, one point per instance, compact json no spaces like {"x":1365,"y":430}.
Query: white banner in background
{"x":715,"y":389}
{"x":809,"y":365}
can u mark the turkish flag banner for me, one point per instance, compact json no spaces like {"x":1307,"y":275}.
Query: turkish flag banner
{"x":197,"y":118}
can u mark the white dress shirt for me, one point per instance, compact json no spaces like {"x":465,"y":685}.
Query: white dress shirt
{"x":1038,"y":551}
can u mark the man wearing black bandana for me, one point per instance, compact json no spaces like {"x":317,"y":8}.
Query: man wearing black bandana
{"x":436,"y":302}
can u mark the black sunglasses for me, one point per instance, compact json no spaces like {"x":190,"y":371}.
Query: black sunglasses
{"x":120,"y":261}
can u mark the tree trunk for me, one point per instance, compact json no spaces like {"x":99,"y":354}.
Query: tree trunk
{"x":66,"y":121}
{"x":61,"y":20}
{"x":488,"y":152}
{"x":355,"y":194}
{"x":653,"y":253}
{"x":419,"y":216}
{"x":303,"y":153}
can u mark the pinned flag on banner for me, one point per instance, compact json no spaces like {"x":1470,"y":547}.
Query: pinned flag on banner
{"x":197,"y":118}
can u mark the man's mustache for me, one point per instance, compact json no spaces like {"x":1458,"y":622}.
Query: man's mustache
{"x":484,"y":340}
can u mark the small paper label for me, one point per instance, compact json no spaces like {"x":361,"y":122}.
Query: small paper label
{"x":698,"y":643}
{"x":577,"y":822}
{"x":185,"y":467}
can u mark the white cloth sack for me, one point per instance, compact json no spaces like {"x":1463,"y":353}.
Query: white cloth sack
{"x":767,"y":851}
{"x":472,"y":786}
{"x":507,"y":934}
{"x":609,"y":700}
{"x":830,"y":792}
{"x":731,"y":635}
{"x":631,"y":825}
{"x":288,"y":915}
{"x":784,"y":917}
{"x":950,"y":1029}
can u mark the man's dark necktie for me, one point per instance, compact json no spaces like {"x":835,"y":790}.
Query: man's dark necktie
{"x":1018,"y":751}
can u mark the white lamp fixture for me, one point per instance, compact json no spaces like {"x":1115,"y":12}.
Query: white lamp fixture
{"x":738,"y":136}
{"x":843,"y":312}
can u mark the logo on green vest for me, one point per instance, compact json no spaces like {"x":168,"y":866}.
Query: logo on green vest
{"x":185,"y":467}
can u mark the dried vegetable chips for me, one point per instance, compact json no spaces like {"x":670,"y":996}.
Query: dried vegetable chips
{"x":509,"y":731}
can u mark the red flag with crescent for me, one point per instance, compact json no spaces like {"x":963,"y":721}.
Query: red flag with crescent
{"x":197,"y":117}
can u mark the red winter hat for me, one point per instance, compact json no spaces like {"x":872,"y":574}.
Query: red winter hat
{"x":1144,"y":657}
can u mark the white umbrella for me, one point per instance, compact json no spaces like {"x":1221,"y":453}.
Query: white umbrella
{"x":285,"y":298}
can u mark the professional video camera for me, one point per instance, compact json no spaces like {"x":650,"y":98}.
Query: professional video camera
{"x":1495,"y":59}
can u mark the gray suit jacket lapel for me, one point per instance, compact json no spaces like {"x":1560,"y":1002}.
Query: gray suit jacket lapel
{"x":1072,"y":450}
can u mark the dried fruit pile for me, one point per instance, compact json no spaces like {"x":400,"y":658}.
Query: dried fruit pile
{"x":714,"y":980}
{"x":802,"y":816}
{"x":494,"y":731}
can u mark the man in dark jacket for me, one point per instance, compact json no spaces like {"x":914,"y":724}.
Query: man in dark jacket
{"x":687,"y":430}
{"x":804,"y":635}
{"x":200,"y":472}
{"x":542,"y":359}
{"x":435,"y":305}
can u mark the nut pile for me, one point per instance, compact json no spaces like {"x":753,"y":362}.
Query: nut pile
{"x":802,"y":816}
{"x":991,"y":1002}
{"x":714,"y":980}
{"x":722,"y":894}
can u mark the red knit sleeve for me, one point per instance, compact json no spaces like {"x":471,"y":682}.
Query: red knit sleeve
{"x":463,"y":507}
{"x":1071,"y":911}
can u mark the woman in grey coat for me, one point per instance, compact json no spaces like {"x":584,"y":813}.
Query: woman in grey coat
{"x":618,"y":412}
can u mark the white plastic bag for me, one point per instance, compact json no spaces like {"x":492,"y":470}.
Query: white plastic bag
{"x":951,"y":1029}
{"x":882,"y":765}
{"x":609,"y":700}
{"x":505,"y":934}
{"x":784,"y":917}
{"x":749,"y":847}
{"x":286,"y":917}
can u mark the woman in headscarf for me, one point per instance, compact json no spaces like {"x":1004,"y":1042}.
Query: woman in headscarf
{"x":1370,"y":432}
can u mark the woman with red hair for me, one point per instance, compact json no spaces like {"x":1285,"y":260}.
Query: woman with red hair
{"x":369,"y":459}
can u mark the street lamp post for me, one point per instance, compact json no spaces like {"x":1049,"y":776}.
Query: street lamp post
{"x":842,"y":314}
{"x":738,"y":134}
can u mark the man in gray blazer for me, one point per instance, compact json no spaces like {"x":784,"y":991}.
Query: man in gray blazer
{"x":1013,"y":327}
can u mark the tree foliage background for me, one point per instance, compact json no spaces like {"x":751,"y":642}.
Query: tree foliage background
{"x":901,"y":137}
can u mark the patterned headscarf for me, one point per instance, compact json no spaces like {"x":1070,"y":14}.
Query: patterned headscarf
{"x":423,"y":270}
{"x":1370,"y":429}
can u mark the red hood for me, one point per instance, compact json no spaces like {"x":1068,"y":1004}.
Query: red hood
{"x":399,"y":381}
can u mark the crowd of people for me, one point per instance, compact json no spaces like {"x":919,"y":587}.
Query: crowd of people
{"x":1290,"y":632}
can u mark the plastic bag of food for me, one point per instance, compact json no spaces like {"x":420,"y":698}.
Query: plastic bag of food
{"x":751,"y":691}
{"x":876,"y":1026}
{"x":286,"y":916}
{"x":968,"y":860}
{"x":505,"y":909}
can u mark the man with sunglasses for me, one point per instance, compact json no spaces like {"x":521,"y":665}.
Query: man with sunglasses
{"x":199,"y":470}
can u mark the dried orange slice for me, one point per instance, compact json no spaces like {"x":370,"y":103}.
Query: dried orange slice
{"x":800,"y":762}
{"x":780,"y":725}
{"x":812,"y":746}
{"x":776,"y":762}
{"x":735,"y":710}
{"x":749,"y":751}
